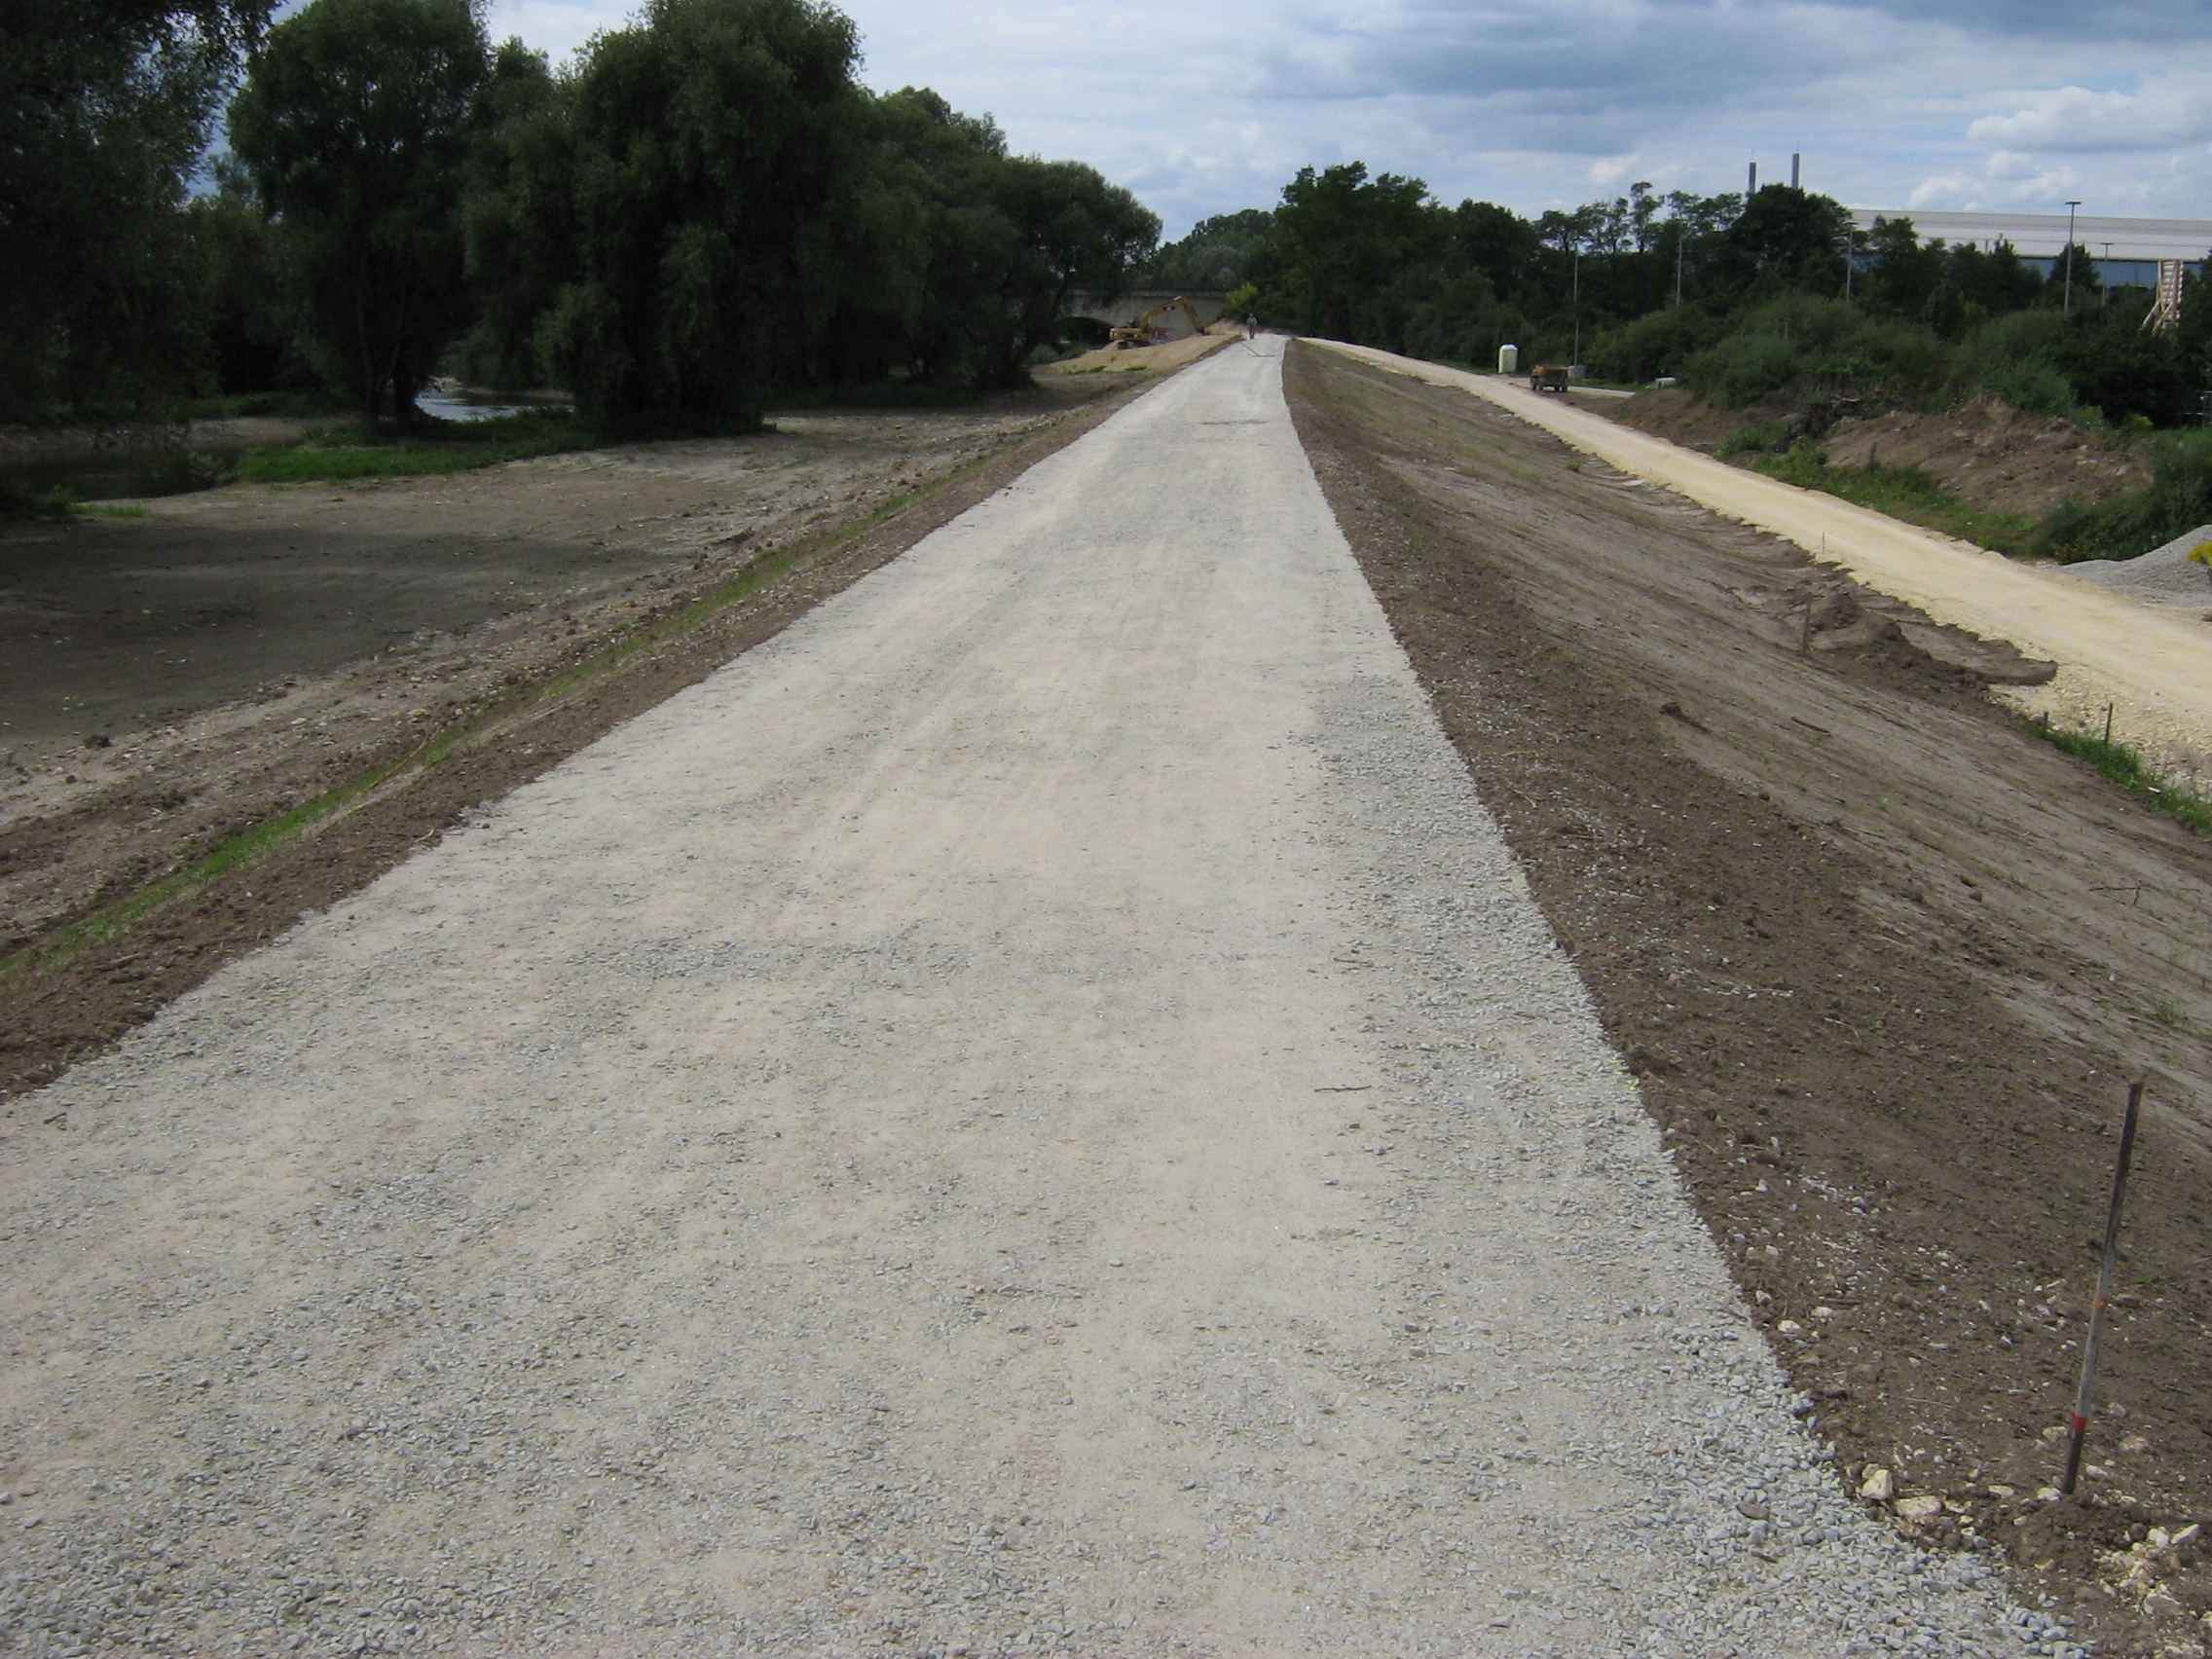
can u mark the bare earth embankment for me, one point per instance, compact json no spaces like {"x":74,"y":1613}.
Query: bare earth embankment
{"x":1985,"y":454}
{"x":176,"y":679}
{"x":1882,"y":960}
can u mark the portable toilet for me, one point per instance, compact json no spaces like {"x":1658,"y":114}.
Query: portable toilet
{"x":1509,"y":359}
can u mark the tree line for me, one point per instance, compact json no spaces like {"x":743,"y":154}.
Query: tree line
{"x":1741,"y":297}
{"x":699,"y":212}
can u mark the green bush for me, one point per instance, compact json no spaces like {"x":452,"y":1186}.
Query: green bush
{"x":2177,"y":499}
{"x":445,"y":446}
{"x":1823,"y":342}
{"x":2019,"y":336}
{"x":1744,"y":368}
{"x":1652,"y":346}
{"x":2033,"y":389}
{"x":1808,"y":321}
{"x":1756,"y":438}
{"x":1901,"y":357}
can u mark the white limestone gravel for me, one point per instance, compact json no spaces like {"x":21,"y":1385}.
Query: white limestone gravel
{"x":1032,"y":1114}
{"x":2164,"y":575}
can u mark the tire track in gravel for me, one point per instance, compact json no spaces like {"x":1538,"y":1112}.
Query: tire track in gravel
{"x":1033,"y":1112}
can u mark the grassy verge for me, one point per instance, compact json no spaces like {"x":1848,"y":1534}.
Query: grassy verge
{"x":235,"y":853}
{"x":445,"y":446}
{"x":43,"y":506}
{"x":1906,"y":493}
{"x":2177,"y":499}
{"x":2128,"y":768}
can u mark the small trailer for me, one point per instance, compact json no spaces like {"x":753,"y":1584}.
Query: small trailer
{"x":1547,"y":377}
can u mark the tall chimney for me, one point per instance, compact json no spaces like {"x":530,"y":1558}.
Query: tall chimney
{"x":1752,"y":188}
{"x":1794,"y":157}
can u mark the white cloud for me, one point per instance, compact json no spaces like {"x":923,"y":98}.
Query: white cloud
{"x":1536,"y":103}
{"x":2163,"y":113}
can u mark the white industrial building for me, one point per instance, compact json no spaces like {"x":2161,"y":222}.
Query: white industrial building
{"x":2126,"y":250}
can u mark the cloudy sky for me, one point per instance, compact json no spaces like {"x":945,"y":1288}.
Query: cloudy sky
{"x":1206,"y":106}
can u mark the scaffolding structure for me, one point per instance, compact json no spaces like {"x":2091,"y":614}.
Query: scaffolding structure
{"x":2165,"y":307}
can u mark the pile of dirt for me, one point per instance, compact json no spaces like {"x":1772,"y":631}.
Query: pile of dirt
{"x":1881,"y":959}
{"x":2164,"y":575}
{"x":1987,"y":454}
{"x":1129,"y":360}
{"x":1993,"y":456}
{"x":520,"y":613}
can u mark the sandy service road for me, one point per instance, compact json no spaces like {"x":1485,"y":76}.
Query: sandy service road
{"x":1033,"y":1112}
{"x":2153,"y":663}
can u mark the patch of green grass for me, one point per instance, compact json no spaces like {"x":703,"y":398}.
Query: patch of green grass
{"x":444,"y":446}
{"x":45,"y":507}
{"x":2177,"y":499}
{"x":1907,"y":493}
{"x":230,"y":855}
{"x":2128,"y":768}
{"x":1759,"y":437}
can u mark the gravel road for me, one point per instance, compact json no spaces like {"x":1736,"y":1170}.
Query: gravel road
{"x":1032,"y":1112}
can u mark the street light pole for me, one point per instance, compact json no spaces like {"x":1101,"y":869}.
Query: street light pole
{"x":1577,"y":357}
{"x":2069,"y":302}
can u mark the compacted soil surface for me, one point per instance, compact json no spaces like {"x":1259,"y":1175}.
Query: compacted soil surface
{"x":1882,"y":960}
{"x":379,"y":656}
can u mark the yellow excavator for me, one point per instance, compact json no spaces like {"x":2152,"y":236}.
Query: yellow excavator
{"x":1140,"y":332}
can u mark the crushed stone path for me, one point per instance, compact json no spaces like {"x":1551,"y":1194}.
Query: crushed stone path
{"x":1033,"y":1113}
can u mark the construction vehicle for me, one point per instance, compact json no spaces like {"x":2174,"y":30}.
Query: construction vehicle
{"x":1142,"y":333}
{"x":1547,"y":377}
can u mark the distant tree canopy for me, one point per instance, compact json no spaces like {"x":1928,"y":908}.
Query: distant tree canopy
{"x":104,"y":111}
{"x":703,"y":210}
{"x":708,"y":161}
{"x":354,"y":127}
{"x":1218,"y":254}
{"x":1742,"y":298}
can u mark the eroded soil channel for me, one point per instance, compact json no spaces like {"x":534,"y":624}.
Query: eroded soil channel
{"x":1881,"y":960}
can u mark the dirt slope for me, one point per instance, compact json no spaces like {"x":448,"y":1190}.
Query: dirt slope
{"x":2152,"y":666}
{"x":1993,"y":456}
{"x":1985,"y":452}
{"x":1881,"y":959}
{"x":1139,"y":359}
